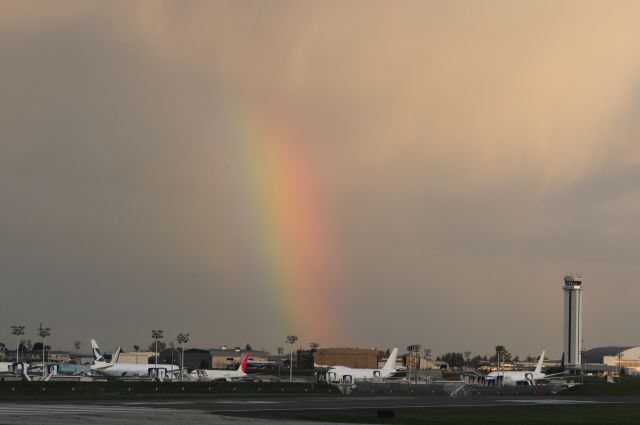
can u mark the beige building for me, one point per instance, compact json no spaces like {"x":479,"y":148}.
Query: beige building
{"x":138,"y":357}
{"x":223,"y":358}
{"x":349,"y":357}
{"x":614,"y":357}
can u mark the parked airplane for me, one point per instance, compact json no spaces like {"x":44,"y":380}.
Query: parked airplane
{"x":121,"y":370}
{"x":349,"y":375}
{"x":518,"y":377}
{"x":222,"y":374}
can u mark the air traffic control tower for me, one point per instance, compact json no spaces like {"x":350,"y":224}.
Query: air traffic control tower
{"x":572,"y":321}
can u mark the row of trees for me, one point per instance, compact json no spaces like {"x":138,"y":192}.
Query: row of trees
{"x":465,"y":359}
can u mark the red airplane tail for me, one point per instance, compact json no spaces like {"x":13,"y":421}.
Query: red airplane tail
{"x":243,"y":364}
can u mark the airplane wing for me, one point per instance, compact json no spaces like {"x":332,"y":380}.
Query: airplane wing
{"x":553,"y":375}
{"x":102,"y":367}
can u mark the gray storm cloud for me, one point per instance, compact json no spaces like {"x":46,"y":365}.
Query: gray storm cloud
{"x":470,"y":154}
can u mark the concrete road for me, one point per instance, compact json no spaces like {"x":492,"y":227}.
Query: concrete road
{"x":258,"y":411}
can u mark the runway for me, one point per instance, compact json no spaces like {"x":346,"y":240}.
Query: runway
{"x":262,"y":411}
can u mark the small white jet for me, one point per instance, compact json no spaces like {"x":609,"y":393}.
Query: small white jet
{"x":126,"y":370}
{"x":222,"y":374}
{"x":349,"y":375}
{"x":512,"y":377}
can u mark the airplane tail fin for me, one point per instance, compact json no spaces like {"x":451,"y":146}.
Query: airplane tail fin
{"x":116,"y":355}
{"x":391,"y":361}
{"x":243,"y":363}
{"x":539,"y":366}
{"x":97,"y":354}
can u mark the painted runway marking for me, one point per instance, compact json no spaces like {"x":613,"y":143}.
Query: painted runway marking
{"x":553,"y":401}
{"x":67,"y":409}
{"x":246,"y":402}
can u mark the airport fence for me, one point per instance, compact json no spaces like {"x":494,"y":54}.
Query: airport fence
{"x":146,"y":390}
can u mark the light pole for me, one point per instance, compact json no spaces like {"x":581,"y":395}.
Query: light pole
{"x":182,"y":339}
{"x":619,"y":367}
{"x":291,"y":339}
{"x":427,"y":353}
{"x":156,"y":335}
{"x":467,"y":356}
{"x":43,"y":332}
{"x":499,"y":349}
{"x":17,"y":330}
{"x":76,"y":344}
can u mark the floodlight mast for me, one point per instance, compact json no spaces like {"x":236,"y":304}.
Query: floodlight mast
{"x":291,"y":339}
{"x":43,"y":332}
{"x":156,"y":335}
{"x":17,"y":330}
{"x":182,"y":339}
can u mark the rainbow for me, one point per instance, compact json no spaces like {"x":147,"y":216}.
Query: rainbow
{"x":294,"y":228}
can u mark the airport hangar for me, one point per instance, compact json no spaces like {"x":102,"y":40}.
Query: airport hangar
{"x":612,"y":359}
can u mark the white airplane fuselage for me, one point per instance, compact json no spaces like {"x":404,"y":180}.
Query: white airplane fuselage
{"x":125,"y":370}
{"x":217,"y":375}
{"x":349,"y":374}
{"x":222,"y":374}
{"x":512,"y":377}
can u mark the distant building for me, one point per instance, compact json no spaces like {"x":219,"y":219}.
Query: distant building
{"x":612,"y":358}
{"x":138,"y":357}
{"x":349,"y":357}
{"x":51,"y":356}
{"x":194,"y":358}
{"x":416,"y":362}
{"x":305,"y":359}
{"x":222,"y":358}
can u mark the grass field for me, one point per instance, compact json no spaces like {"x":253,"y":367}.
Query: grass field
{"x":599,"y":387}
{"x":560,"y":415}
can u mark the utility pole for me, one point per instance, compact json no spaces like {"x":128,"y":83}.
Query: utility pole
{"x":43,"y":332}
{"x":17,"y":330}
{"x":291,"y":339}
{"x":182,"y":339}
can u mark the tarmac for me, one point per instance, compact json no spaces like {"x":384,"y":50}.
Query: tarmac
{"x":261,"y":411}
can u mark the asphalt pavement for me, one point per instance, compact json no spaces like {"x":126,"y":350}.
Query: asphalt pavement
{"x":260,"y":411}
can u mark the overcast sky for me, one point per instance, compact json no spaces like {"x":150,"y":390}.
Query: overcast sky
{"x":451,"y":162}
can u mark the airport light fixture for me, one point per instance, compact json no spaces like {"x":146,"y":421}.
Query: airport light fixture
{"x":17,"y":330}
{"x":43,"y":332}
{"x":182,"y":339}
{"x":291,"y":339}
{"x":156,"y":335}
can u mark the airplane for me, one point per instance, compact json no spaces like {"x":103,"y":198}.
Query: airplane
{"x":222,"y":374}
{"x":525,"y":377}
{"x":349,"y":375}
{"x":126,"y":370}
